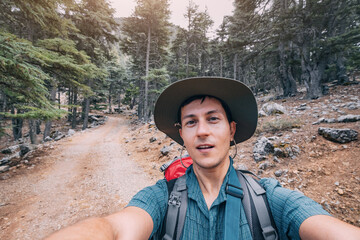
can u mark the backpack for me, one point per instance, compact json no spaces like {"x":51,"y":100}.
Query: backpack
{"x":257,"y":210}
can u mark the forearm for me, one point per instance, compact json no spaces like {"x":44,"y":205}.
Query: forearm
{"x":328,"y":228}
{"x":93,"y":228}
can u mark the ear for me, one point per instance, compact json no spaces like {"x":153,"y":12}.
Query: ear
{"x":232,"y":129}
{"x":180,"y":132}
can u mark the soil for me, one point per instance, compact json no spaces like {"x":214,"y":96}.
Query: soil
{"x":95,"y":172}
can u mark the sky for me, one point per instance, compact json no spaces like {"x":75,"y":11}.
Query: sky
{"x":217,"y":9}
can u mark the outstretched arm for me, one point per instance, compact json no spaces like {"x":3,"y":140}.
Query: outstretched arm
{"x":328,"y":228}
{"x":128,"y":224}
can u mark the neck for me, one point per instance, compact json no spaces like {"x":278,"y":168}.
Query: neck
{"x":210,"y":180}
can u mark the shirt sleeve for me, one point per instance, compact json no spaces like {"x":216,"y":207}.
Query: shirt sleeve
{"x":153,"y":200}
{"x":289,"y":208}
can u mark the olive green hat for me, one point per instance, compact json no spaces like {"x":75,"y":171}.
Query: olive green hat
{"x":236,"y":95}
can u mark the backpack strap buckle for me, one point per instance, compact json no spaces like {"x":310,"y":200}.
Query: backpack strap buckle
{"x":234,"y":190}
{"x":269,"y":233}
{"x":175,"y":199}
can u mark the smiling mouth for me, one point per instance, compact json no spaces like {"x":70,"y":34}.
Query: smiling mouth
{"x":204,"y":147}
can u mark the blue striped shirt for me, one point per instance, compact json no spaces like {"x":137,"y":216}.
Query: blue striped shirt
{"x":289,"y":209}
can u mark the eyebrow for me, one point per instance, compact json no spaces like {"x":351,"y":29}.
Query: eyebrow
{"x":208,"y":113}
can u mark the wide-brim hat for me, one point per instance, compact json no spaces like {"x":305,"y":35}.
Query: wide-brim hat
{"x":239,"y":98}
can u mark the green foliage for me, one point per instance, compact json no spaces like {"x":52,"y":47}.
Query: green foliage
{"x":131,"y":92}
{"x":190,"y":49}
{"x":22,"y":78}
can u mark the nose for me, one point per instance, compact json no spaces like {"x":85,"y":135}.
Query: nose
{"x":202,"y":128}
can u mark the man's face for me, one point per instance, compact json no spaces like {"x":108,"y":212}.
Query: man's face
{"x":206,"y":132}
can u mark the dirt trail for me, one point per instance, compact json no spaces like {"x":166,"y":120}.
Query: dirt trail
{"x":89,"y":174}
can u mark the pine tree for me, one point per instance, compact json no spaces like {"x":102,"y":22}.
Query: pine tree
{"x":147,"y":36}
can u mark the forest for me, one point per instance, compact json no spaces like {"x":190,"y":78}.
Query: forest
{"x":64,"y":58}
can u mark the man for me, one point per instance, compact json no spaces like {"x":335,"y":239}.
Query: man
{"x":207,"y":115}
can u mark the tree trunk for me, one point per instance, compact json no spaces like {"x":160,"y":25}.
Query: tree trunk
{"x":341,"y":69}
{"x":74,"y":110}
{"x":48,"y":123}
{"x":38,"y":126}
{"x":17,"y":124}
{"x":221,"y":65}
{"x":70,"y":97}
{"x":59,"y":98}
{"x":87,"y":108}
{"x":119,"y":103}
{"x":109,"y":98}
{"x":235,"y":65}
{"x":287,"y":80}
{"x":32,"y":131}
{"x":146,"y":107}
{"x":187,"y":63}
{"x":312,"y":73}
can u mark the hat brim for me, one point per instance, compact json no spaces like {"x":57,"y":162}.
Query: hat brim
{"x":236,"y":95}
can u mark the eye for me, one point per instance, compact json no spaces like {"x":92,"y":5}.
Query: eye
{"x":213,"y":119}
{"x":190,"y":123}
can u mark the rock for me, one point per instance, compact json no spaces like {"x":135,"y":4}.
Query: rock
{"x":151,"y":124}
{"x":48,"y":139}
{"x":272,"y":108}
{"x":71,"y":132}
{"x":5,"y":160}
{"x":24,"y":149}
{"x":278,"y":173}
{"x":278,"y":152}
{"x":349,"y":118}
{"x":338,"y":135}
{"x":264,"y":165}
{"x":59,"y":137}
{"x":10,"y":150}
{"x":295,"y":149}
{"x":302,"y":107}
{"x":4,"y":168}
{"x":242,"y":167}
{"x":351,"y":106}
{"x":276,"y":159}
{"x":325,"y":90}
{"x":165,"y":150}
{"x":262,"y":148}
{"x":258,"y":157}
{"x":262,"y":113}
{"x":340,"y":192}
{"x":152,"y":139}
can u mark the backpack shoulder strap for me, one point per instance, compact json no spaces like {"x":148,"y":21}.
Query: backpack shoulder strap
{"x":257,"y":209}
{"x":177,"y":206}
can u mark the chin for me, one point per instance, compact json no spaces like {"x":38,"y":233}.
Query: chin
{"x":207,"y":163}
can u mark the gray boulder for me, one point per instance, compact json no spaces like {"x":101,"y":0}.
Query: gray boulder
{"x":24,"y":149}
{"x":4,"y":168}
{"x":349,"y":118}
{"x":8,"y":159}
{"x":272,"y":108}
{"x":303,"y":107}
{"x":48,"y":139}
{"x":262,"y":148}
{"x":278,"y":173}
{"x":165,"y":150}
{"x":10,"y":150}
{"x":262,"y":113}
{"x":338,"y":135}
{"x":71,"y":132}
{"x":152,"y":139}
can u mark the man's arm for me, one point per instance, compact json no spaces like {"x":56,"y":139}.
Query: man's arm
{"x":130,"y":223}
{"x":326,"y":227}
